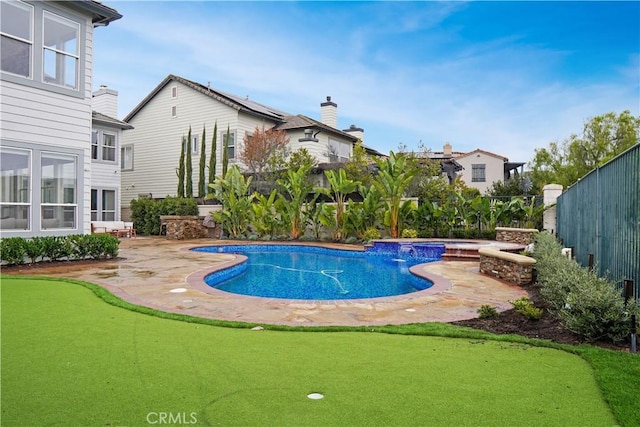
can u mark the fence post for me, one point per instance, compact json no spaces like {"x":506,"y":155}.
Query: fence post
{"x":628,"y":294}
{"x":591,"y":263}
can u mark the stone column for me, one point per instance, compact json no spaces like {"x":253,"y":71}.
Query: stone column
{"x":550,"y":194}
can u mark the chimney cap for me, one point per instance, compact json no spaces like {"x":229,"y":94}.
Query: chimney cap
{"x":328,"y":103}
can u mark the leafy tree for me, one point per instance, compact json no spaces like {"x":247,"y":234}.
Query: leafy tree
{"x":212,"y":158}
{"x":395,"y":175}
{"x":512,"y":187}
{"x":358,"y":168}
{"x":181,"y":170}
{"x":603,"y":137}
{"x":301,"y":157}
{"x":202,"y":185}
{"x":225,"y":152}
{"x":260,"y":147}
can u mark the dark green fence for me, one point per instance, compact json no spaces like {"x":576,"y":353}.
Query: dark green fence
{"x":600,"y":215}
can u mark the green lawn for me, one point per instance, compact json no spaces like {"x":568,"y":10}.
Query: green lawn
{"x":68,"y":358}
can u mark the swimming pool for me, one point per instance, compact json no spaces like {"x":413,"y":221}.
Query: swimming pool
{"x":315,"y":273}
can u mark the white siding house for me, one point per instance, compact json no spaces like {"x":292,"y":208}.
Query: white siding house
{"x":151,"y":151}
{"x":105,"y":156}
{"x":45,"y":115}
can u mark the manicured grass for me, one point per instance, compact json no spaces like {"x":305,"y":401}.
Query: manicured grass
{"x":70,"y":359}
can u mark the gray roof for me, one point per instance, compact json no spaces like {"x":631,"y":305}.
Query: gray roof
{"x":233,"y":101}
{"x":105,"y":120}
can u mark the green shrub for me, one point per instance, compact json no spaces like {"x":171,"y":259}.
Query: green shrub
{"x":12,"y":250}
{"x":146,"y":213}
{"x":34,"y":248}
{"x":596,"y":310}
{"x":487,"y":311}
{"x":409,"y":233}
{"x":525,"y":307}
{"x":53,"y":247}
{"x":370,"y":234}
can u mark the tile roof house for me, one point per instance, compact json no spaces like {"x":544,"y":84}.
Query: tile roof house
{"x":46,"y":115}
{"x":478,"y":168}
{"x":163,"y":118}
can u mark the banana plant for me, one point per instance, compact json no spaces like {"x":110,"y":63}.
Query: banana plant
{"x":341,"y":187}
{"x":265,"y":216}
{"x":395,"y":175}
{"x":296,"y":189}
{"x":232,"y":191}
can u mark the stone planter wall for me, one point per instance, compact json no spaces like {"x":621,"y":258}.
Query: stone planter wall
{"x":510,"y":267}
{"x":523,"y":236}
{"x":183,"y":227}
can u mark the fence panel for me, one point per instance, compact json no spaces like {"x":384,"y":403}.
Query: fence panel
{"x":600,"y":215}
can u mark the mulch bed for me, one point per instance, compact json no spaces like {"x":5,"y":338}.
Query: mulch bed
{"x":508,"y":322}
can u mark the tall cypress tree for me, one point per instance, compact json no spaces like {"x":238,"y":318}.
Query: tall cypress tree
{"x":212,"y":159}
{"x":189,"y":168}
{"x":203,"y":163}
{"x":225,"y":153}
{"x":181,"y":170}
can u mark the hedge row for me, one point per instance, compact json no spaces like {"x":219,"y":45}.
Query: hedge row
{"x":18,"y":250}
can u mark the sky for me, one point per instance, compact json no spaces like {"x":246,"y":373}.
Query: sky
{"x":506,"y":77}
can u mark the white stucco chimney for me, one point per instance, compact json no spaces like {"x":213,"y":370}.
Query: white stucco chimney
{"x":105,"y":101}
{"x":447,"y":150}
{"x":355,"y":131}
{"x":329,"y":113}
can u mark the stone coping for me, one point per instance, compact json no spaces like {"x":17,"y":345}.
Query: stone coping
{"x":522,"y":230}
{"x":507,"y":256}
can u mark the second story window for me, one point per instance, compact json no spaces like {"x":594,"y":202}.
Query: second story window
{"x":103,"y":146}
{"x":478,"y":173}
{"x":339,"y":151}
{"x":60,"y":43}
{"x":231,"y":146}
{"x":16,"y":28}
{"x":126,"y":158}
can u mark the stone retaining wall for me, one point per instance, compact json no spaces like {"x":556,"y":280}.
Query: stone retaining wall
{"x":183,"y":227}
{"x":510,"y":267}
{"x":523,"y":236}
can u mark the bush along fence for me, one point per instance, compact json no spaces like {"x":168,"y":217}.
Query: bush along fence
{"x":599,"y":216}
{"x":587,"y":304}
{"x":18,"y":250}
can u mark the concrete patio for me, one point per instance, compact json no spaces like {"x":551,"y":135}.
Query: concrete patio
{"x":149,"y":268}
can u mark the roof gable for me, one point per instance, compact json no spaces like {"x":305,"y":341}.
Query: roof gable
{"x":233,"y":101}
{"x":488,"y":153}
{"x":105,"y":120}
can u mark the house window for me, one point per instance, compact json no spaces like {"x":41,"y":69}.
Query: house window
{"x":174,"y":111}
{"x":15,"y":196}
{"x":16,"y":29}
{"x":478,"y":173}
{"x":126,"y":158}
{"x":339,"y":151}
{"x":60,"y":50}
{"x":194,"y":144}
{"x":103,"y":146}
{"x":231,"y":146}
{"x":174,"y":92}
{"x":59,"y":184}
{"x":103,"y":205}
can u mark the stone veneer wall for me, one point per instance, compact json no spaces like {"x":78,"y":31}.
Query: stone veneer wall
{"x":184,"y":227}
{"x":510,"y":267}
{"x":523,"y":236}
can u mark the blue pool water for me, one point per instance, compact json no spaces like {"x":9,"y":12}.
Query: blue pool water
{"x":313,"y":273}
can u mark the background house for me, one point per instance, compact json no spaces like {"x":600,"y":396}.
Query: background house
{"x":477,"y":169}
{"x":151,"y":150}
{"x":46,"y":115}
{"x":105,"y":155}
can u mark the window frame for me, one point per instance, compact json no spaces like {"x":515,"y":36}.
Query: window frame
{"x":100,"y":213}
{"x":37,"y":79}
{"x":69,"y":210}
{"x":123,"y":157}
{"x":478,"y":172}
{"x":232,"y":146}
{"x":7,"y":206}
{"x":98,"y":146}
{"x":30,"y":42}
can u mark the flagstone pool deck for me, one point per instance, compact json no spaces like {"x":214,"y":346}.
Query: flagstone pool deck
{"x":149,"y":268}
